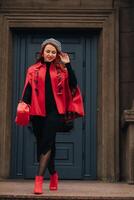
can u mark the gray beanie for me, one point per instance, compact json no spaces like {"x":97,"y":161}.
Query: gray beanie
{"x":52,"y":41}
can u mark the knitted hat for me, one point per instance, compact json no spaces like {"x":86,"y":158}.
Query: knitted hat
{"x":52,"y":41}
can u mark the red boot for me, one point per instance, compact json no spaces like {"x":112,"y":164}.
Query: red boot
{"x":53,"y":181}
{"x":38,"y":185}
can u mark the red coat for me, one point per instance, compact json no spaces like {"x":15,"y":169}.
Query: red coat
{"x":64,"y":100}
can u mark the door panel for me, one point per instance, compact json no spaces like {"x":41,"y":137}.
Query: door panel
{"x":75,"y":151}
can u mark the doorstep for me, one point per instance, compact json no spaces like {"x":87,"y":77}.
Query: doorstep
{"x":68,"y":190}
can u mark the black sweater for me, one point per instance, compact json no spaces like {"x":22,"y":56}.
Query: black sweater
{"x":50,"y":101}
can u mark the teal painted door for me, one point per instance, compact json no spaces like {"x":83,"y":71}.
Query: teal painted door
{"x":76,"y":150}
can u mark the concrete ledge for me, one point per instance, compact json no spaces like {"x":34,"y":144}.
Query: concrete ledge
{"x":80,"y":190}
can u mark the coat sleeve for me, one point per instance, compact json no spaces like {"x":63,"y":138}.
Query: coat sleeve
{"x":71,"y":76}
{"x":74,"y":98}
{"x":27,"y":94}
{"x":27,"y":91}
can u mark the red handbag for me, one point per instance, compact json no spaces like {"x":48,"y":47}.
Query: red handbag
{"x":23,"y":114}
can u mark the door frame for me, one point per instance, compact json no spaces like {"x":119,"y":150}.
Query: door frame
{"x":108,"y":78}
{"x":21,"y":137}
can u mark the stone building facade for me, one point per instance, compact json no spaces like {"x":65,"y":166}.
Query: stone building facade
{"x":113,"y":21}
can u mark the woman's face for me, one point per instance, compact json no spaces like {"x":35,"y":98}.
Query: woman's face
{"x":49,"y":53}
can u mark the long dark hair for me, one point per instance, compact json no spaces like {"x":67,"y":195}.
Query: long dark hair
{"x":39,"y":57}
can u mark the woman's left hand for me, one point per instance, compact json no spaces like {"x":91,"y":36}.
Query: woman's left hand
{"x":64,"y":57}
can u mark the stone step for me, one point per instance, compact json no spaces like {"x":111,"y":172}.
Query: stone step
{"x":11,"y":197}
{"x":63,"y":198}
{"x":68,"y":190}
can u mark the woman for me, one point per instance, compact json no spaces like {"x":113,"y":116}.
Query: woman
{"x":51,"y":92}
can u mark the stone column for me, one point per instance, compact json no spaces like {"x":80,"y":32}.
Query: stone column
{"x":128,"y":129}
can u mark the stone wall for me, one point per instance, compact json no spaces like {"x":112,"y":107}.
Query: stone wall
{"x":97,"y":4}
{"x":126,"y":54}
{"x":126,"y":59}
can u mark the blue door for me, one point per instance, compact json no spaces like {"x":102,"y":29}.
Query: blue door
{"x":76,"y":150}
